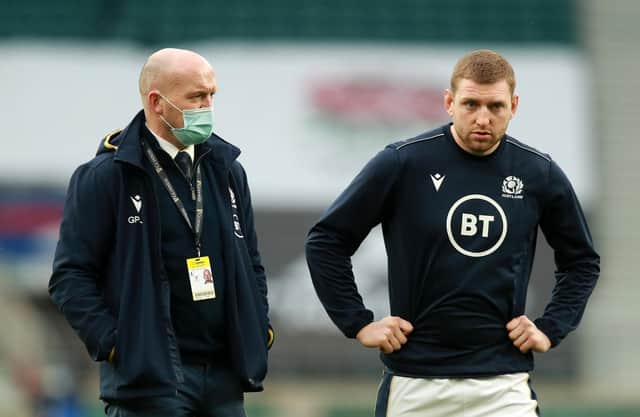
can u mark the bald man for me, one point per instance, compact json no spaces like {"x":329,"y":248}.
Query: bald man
{"x":157,"y":267}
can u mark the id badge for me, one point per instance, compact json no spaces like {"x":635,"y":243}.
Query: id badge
{"x":201,"y":278}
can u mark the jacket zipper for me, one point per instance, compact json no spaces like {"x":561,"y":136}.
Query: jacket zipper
{"x":158,"y":238}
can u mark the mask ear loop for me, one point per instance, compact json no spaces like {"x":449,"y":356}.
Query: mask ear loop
{"x":165,"y":122}
{"x":169,"y":101}
{"x":172,"y":105}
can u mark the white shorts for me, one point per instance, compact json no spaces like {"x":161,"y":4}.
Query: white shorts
{"x":499,"y":396}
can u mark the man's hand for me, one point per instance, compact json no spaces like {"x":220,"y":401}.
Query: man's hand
{"x":526,"y":336}
{"x":388,"y":334}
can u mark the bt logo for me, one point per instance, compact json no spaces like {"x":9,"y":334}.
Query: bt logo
{"x":469,"y":224}
{"x":476,"y":225}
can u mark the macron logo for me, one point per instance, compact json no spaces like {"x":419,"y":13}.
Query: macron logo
{"x":137,"y":202}
{"x":437,"y":180}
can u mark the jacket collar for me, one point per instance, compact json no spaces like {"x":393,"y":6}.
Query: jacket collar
{"x":127,"y":148}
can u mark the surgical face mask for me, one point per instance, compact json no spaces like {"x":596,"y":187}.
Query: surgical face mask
{"x":197,"y":124}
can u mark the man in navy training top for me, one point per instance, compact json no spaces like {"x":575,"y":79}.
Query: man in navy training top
{"x":460,"y":208}
{"x":157,"y":267}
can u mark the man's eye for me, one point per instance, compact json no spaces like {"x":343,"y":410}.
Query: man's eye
{"x":469,"y":104}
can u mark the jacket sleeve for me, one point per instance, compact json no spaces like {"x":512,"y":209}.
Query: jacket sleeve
{"x":334,"y":239}
{"x":577,"y":263}
{"x":252,"y":245}
{"x":86,"y":237}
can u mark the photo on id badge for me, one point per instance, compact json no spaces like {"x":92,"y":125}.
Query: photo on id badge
{"x":201,"y":278}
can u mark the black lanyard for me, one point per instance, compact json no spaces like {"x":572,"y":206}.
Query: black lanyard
{"x":197,"y":230}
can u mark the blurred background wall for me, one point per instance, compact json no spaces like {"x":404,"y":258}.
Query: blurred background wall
{"x":310,"y":91}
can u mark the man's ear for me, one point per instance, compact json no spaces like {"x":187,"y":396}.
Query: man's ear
{"x":153,"y":98}
{"x":448,"y":102}
{"x":514,"y":104}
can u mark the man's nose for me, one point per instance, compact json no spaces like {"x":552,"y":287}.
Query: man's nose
{"x":207,"y":101}
{"x":484,"y":116}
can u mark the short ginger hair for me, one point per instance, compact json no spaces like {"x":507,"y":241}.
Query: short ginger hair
{"x":483,"y":66}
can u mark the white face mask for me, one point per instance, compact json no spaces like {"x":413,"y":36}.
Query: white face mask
{"x":197,"y":124}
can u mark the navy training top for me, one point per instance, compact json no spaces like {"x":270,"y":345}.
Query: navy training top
{"x":460,"y":233}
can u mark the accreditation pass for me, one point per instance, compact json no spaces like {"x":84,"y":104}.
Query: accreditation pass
{"x":201,"y":278}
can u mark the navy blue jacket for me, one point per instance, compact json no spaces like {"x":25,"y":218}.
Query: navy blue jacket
{"x":108,"y":276}
{"x":460,"y":233}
